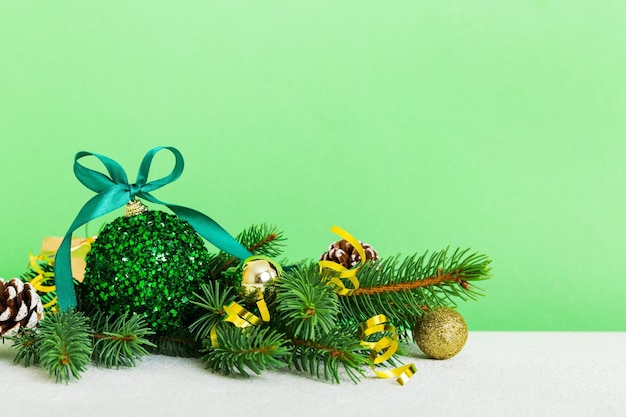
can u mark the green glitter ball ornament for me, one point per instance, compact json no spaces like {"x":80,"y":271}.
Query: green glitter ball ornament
{"x":149,"y":263}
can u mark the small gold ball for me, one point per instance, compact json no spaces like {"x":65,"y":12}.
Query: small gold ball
{"x":257,"y":274}
{"x":440,"y":333}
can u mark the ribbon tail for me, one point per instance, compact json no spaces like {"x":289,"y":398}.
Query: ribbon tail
{"x":207,"y":228}
{"x":211,"y":231}
{"x":103,"y":203}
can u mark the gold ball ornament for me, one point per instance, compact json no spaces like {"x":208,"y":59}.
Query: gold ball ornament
{"x":257,"y":274}
{"x":440,"y":333}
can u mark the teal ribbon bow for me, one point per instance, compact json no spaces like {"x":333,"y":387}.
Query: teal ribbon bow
{"x":114,"y":191}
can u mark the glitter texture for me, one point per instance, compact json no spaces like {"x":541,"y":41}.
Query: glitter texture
{"x":441,"y":333}
{"x":147,"y":264}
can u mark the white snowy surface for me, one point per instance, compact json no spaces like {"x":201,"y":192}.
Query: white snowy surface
{"x":496,"y":374}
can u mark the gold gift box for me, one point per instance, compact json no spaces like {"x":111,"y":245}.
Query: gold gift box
{"x":79,"y":248}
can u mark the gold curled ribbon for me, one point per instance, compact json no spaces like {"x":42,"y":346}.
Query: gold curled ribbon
{"x":42,"y":277}
{"x":383,"y":349}
{"x":241,"y":317}
{"x":262,"y":306}
{"x":338,"y":271}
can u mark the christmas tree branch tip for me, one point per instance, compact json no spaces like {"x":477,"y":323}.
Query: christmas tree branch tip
{"x":306,"y":306}
{"x":405,"y":288}
{"x":64,"y":345}
{"x":328,"y":355}
{"x":237,"y":351}
{"x":119,"y":340}
{"x":211,"y":300}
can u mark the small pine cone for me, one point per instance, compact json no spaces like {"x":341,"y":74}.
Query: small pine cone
{"x":20,"y":306}
{"x":343,"y":253}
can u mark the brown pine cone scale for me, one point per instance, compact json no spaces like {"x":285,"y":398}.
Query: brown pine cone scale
{"x":343,"y":253}
{"x":20,"y":306}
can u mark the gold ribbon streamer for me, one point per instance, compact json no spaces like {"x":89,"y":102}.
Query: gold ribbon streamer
{"x":241,"y":317}
{"x":262,"y":306}
{"x":384,"y":348}
{"x":340,"y":272}
{"x":214,"y":336}
{"x":42,"y":277}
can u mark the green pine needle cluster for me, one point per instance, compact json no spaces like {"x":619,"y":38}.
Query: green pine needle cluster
{"x":306,"y":306}
{"x":325,"y":357}
{"x":212,"y":301}
{"x":404,"y":289}
{"x":179,"y":342}
{"x":25,"y":345}
{"x":262,"y":239}
{"x":64,"y":345}
{"x":118,"y":341}
{"x":254,"y":348}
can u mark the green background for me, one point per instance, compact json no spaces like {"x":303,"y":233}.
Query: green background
{"x":495,"y":125}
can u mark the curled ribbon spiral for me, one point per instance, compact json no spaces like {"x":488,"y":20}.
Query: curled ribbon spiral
{"x":41,"y":278}
{"x":384,"y":348}
{"x":241,"y":317}
{"x":114,"y":191}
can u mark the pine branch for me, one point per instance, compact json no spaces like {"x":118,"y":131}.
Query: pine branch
{"x":263,"y":239}
{"x":64,"y":344}
{"x":238,"y":351}
{"x":306,"y":306}
{"x":25,"y":345}
{"x":212,"y":301}
{"x":118,"y":341}
{"x":324,"y":358}
{"x":180,"y":343}
{"x":404,"y":290}
{"x":260,"y":239}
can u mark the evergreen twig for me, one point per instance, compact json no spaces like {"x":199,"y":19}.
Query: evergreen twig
{"x":118,"y":341}
{"x":325,"y":357}
{"x":212,"y":300}
{"x":306,"y":306}
{"x":404,"y":289}
{"x":262,"y":239}
{"x":255,"y":349}
{"x":25,"y":345}
{"x":180,"y":343}
{"x":64,"y":344}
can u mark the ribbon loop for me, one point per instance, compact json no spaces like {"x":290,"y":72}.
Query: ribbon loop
{"x":383,"y":349}
{"x":97,"y":181}
{"x":114,"y":191}
{"x":144,"y":169}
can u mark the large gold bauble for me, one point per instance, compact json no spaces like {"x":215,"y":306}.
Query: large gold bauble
{"x":440,"y":333}
{"x":257,"y":274}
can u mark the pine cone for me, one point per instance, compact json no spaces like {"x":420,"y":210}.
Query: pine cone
{"x":20,"y":306}
{"x":343,"y":253}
